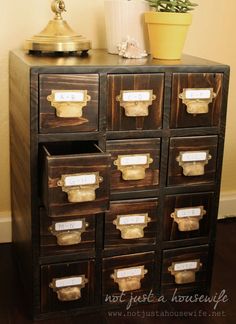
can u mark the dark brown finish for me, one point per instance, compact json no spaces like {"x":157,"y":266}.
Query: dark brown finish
{"x":129,"y":147}
{"x":170,"y":229}
{"x":111,"y":288}
{"x":75,"y":147}
{"x":13,"y":303}
{"x":168,"y":285}
{"x":49,"y":300}
{"x":73,"y":158}
{"x":179,"y":115}
{"x":48,"y":241}
{"x":188,"y":144}
{"x":49,"y":122}
{"x":117,"y":121}
{"x":112,"y":235}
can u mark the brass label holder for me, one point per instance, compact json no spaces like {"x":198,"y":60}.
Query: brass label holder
{"x":185,"y":272}
{"x":133,"y":166}
{"x":188,"y":218}
{"x":132,"y":226}
{"x":69,"y":103}
{"x":193,"y":162}
{"x":136,"y":102}
{"x":69,"y":232}
{"x":68,"y":288}
{"x":197,"y":100}
{"x":80,"y":187}
{"x":129,"y":279}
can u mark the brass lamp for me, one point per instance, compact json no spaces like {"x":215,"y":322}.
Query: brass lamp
{"x":57,"y":36}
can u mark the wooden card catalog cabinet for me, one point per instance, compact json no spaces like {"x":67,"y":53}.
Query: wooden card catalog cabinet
{"x":116,"y":177}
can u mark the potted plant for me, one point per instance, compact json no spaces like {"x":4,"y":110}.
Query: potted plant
{"x":168,"y":24}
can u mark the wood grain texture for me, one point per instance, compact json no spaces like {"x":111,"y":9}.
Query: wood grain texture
{"x":110,"y":288}
{"x":74,"y":158}
{"x":182,"y":144}
{"x":112,"y":235}
{"x":129,"y":147}
{"x":170,"y":229}
{"x":49,"y":300}
{"x":117,"y":121}
{"x":168,"y":284}
{"x":49,"y":122}
{"x":48,"y":241}
{"x":20,"y":170}
{"x":179,"y":115}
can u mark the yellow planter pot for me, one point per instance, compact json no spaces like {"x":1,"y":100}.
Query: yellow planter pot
{"x":167,"y":33}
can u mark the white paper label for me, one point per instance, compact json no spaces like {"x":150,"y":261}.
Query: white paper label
{"x":69,"y":96}
{"x":198,"y":94}
{"x":66,"y":226}
{"x":134,"y":160}
{"x":189,"y":212}
{"x":132,"y":272}
{"x":80,"y":180}
{"x":132,"y":219}
{"x":60,"y":283}
{"x":136,"y":96}
{"x":194,"y":156}
{"x":185,"y":266}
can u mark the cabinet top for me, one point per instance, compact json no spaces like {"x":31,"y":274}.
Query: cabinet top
{"x":100,"y":58}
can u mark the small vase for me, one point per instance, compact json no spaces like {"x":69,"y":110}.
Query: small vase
{"x":125,"y":18}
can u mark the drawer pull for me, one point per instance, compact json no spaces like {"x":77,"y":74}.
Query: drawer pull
{"x":136,"y":102}
{"x":68,"y":288}
{"x":197,"y":100}
{"x":69,"y":103}
{"x":185,"y":272}
{"x":188,"y":218}
{"x":133,"y":166}
{"x":68,"y":233}
{"x":80,"y":187}
{"x":132,"y":226}
{"x":193,"y":162}
{"x":129,"y":279}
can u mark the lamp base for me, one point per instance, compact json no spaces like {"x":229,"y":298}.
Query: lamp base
{"x":57,"y":37}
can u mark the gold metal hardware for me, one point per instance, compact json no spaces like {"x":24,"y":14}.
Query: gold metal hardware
{"x":185,"y":272}
{"x":69,"y":232}
{"x":68,"y":288}
{"x":57,"y":36}
{"x":188,"y":218}
{"x":80,"y":187}
{"x":133,"y":166}
{"x":129,"y":279}
{"x":193,"y":162}
{"x":136,"y":102}
{"x":69,"y":103}
{"x":132,"y":226}
{"x":197,"y":100}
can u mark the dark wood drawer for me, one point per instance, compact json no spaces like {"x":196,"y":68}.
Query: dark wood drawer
{"x":131,"y":222}
{"x":75,"y":179}
{"x":68,"y":102}
{"x":184,"y":270}
{"x":135,"y":164}
{"x":67,"y":286}
{"x":187,"y":216}
{"x":196,"y":99}
{"x":132,"y":274}
{"x":67,"y":235}
{"x":192,"y":160}
{"x":135,"y":101}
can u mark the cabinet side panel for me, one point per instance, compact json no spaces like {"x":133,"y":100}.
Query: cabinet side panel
{"x":20,"y":169}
